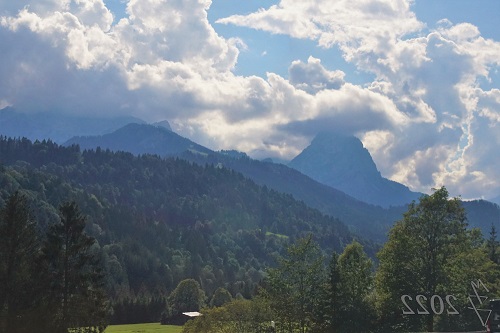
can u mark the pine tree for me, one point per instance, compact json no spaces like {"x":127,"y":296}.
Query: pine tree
{"x":492,"y":245}
{"x":333,"y":294}
{"x":18,"y":252}
{"x":76,"y":280}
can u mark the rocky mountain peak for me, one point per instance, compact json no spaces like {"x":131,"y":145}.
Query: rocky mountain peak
{"x":341,"y":161}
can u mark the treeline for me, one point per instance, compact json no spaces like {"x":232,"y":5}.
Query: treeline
{"x":426,"y":280}
{"x":160,"y":221}
{"x":136,"y":311}
{"x":50,"y":282}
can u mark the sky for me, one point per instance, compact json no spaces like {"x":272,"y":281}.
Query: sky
{"x":417,"y":81}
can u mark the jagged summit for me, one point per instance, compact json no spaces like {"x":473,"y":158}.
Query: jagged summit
{"x":339,"y":156}
{"x":342,"y":162}
{"x":164,"y":123}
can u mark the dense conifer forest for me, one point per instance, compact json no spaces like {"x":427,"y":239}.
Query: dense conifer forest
{"x":159,"y":221}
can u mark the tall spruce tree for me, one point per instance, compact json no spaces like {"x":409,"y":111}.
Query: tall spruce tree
{"x":18,"y":252}
{"x":493,"y":245}
{"x":333,"y":294}
{"x":76,"y":280}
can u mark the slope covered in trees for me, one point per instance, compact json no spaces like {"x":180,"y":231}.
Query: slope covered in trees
{"x":159,"y":221}
{"x":173,"y":236}
{"x":433,"y":275}
{"x":332,"y":156}
{"x":141,"y":139}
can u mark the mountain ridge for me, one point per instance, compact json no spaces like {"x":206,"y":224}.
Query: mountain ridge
{"x":369,"y":220}
{"x":495,"y":200}
{"x":278,"y":177}
{"x":140,"y":139}
{"x":57,"y":127}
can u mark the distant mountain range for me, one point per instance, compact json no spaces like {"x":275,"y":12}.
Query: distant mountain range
{"x":141,"y":139}
{"x":342,"y":162}
{"x":57,"y":127}
{"x":372,"y":221}
{"x":337,"y":174}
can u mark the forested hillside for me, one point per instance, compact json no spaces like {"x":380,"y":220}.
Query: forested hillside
{"x":141,"y":139}
{"x":159,"y":221}
{"x":372,"y":221}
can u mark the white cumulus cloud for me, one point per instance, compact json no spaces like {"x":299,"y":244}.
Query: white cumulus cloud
{"x":426,"y":118}
{"x":438,"y":123}
{"x":313,"y":77}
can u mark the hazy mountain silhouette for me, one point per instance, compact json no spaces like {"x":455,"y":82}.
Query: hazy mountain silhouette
{"x":342,"y":162}
{"x":57,"y":127}
{"x":141,"y":139}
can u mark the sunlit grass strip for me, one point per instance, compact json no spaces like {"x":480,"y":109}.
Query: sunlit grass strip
{"x":268,"y":233}
{"x":143,"y":328}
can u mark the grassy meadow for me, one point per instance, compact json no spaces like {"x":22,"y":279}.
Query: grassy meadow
{"x":143,"y":328}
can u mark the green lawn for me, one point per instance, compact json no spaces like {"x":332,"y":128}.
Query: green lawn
{"x":143,"y":328}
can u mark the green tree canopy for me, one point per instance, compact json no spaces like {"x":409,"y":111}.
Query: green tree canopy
{"x":236,"y":316}
{"x":350,"y":284}
{"x":187,"y":296}
{"x":295,"y":287}
{"x":421,"y":258}
{"x":220,"y":297}
{"x":493,"y":246}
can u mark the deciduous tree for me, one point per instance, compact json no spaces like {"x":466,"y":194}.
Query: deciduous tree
{"x":186,"y":297}
{"x":249,"y":316}
{"x":295,"y":287}
{"x":417,"y":257}
{"x":220,"y":297}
